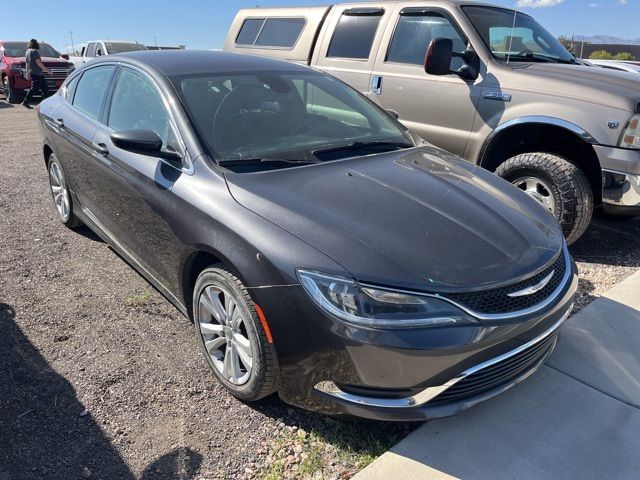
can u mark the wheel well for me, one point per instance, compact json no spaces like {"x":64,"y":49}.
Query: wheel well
{"x":535,"y":137}
{"x":194,"y":265}
{"x":46,"y":151}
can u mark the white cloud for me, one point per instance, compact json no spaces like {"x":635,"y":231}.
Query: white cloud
{"x":623,"y":2}
{"x":595,"y":5}
{"x":541,"y":3}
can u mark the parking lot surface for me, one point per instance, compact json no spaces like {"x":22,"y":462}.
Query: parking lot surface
{"x":102,"y":377}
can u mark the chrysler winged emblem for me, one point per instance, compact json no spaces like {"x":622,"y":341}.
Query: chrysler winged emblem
{"x":533,"y":288}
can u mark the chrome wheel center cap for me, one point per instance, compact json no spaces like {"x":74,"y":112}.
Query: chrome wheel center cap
{"x":228,"y":333}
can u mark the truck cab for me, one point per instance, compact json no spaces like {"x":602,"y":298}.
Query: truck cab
{"x":98,"y":48}
{"x":13,"y":69}
{"x":486,"y":83}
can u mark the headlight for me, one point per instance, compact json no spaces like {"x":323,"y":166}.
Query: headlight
{"x":378,"y":308}
{"x":19,"y":71}
{"x":631,"y":134}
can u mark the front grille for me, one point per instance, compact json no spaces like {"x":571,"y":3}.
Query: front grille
{"x":499,"y":373}
{"x":58,"y":72}
{"x":498,"y":301}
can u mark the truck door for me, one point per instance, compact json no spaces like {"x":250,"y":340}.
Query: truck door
{"x":440,"y":109}
{"x":350,"y":40}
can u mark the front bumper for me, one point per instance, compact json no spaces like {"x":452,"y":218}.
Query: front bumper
{"x":399,"y":375}
{"x":620,"y":180}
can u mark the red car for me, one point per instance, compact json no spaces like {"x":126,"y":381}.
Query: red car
{"x":12,"y":69}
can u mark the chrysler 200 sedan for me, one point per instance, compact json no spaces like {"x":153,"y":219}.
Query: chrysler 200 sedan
{"x":322,"y":250}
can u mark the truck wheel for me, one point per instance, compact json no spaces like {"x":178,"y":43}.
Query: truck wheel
{"x":9,"y":93}
{"x":557,"y":184}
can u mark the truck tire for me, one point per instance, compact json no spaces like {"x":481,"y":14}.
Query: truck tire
{"x":9,"y":93}
{"x":557,"y":184}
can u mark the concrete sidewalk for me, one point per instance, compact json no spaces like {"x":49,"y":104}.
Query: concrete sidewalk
{"x":577,"y":417}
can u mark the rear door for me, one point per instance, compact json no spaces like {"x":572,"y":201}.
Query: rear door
{"x":440,"y":109}
{"x":350,"y":40}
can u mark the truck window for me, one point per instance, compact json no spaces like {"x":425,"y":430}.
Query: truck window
{"x":91,"y":50}
{"x":270,"y":32}
{"x":354,"y":34}
{"x":413,"y":34}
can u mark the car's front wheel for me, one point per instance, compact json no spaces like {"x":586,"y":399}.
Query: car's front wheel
{"x":231,"y":335}
{"x":9,"y":92}
{"x":556,"y":183}
{"x":60,"y":194}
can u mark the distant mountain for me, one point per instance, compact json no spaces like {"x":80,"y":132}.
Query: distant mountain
{"x":606,"y":39}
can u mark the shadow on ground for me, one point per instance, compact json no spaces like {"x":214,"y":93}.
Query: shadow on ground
{"x":610,"y":242}
{"x":43,"y":435}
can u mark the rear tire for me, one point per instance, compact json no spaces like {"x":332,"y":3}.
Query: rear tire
{"x":563,"y":188}
{"x":61,"y":194}
{"x":231,"y":335}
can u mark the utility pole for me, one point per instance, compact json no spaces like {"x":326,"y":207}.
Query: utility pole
{"x":73,"y":47}
{"x":155,"y":40}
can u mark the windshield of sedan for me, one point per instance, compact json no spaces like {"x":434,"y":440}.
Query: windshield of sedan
{"x":18,"y":49}
{"x":121,"y":47}
{"x":295,"y":117}
{"x":515,"y":36}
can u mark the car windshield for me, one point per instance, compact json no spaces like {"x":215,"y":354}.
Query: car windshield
{"x":121,"y":47}
{"x":291,"y":117}
{"x":515,"y":36}
{"x":18,"y":49}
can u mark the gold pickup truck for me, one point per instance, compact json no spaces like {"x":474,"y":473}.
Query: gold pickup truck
{"x":484,"y":82}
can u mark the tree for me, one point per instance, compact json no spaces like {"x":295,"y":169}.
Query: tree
{"x":566,"y":42}
{"x":601,"y":55}
{"x":623,"y":56}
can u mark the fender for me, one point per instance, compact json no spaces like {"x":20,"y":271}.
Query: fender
{"x":535,"y":119}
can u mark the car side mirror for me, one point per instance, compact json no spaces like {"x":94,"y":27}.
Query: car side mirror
{"x":438,"y":58}
{"x":99,"y":52}
{"x":65,"y":56}
{"x":144,"y":142}
{"x":393,"y":113}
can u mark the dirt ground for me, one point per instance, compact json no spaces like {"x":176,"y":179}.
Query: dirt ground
{"x":100,"y":377}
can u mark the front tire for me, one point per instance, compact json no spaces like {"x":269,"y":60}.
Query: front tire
{"x":231,"y":335}
{"x":557,"y":184}
{"x":9,"y":93}
{"x":61,"y":194}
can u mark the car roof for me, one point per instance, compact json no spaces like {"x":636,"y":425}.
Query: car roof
{"x":193,"y":62}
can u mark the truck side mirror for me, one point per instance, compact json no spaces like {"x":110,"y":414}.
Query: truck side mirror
{"x":438,"y":58}
{"x":65,"y":56}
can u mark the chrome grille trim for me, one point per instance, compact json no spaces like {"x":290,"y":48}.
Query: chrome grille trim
{"x":429,"y":393}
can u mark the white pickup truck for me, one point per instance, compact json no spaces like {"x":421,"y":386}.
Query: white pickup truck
{"x":484,"y":82}
{"x":98,"y":48}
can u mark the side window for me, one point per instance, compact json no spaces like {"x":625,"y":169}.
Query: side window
{"x":91,"y":50}
{"x":319,"y":102}
{"x":71,"y":88}
{"x":136,"y":104}
{"x":270,"y":32}
{"x":249,"y":31}
{"x":100,"y":50}
{"x":354,"y":34}
{"x":413,"y":34}
{"x":91,"y":89}
{"x":280,"y":32}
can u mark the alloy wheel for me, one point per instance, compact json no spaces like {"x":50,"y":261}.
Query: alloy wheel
{"x":538,"y":190}
{"x":59,"y":191}
{"x":224,"y":334}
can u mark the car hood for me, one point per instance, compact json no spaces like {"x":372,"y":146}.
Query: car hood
{"x":47,"y":61}
{"x":593,"y":84}
{"x":419,"y":219}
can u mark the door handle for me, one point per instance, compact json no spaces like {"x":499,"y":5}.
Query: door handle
{"x":58,"y":122}
{"x":376,"y":85}
{"x":101,"y":148}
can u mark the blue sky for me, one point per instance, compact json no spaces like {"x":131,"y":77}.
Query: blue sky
{"x":203,"y":24}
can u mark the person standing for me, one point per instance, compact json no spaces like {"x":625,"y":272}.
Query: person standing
{"x":35,"y":72}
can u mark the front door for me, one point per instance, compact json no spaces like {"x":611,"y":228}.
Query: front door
{"x":440,"y":109}
{"x":136,"y":187}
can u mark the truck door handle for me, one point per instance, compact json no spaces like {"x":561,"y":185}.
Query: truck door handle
{"x":58,"y":122}
{"x":376,"y":85}
{"x":101,"y":148}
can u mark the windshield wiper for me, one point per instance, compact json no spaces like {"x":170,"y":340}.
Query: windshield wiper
{"x":539,"y":57}
{"x":362,"y":145}
{"x":259,"y":161}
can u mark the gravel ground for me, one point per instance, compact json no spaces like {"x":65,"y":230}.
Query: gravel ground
{"x":102,"y":377}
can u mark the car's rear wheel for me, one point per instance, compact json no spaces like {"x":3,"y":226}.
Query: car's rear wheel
{"x":9,"y":92}
{"x":60,"y":194}
{"x":231,"y":335}
{"x":557,"y":184}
